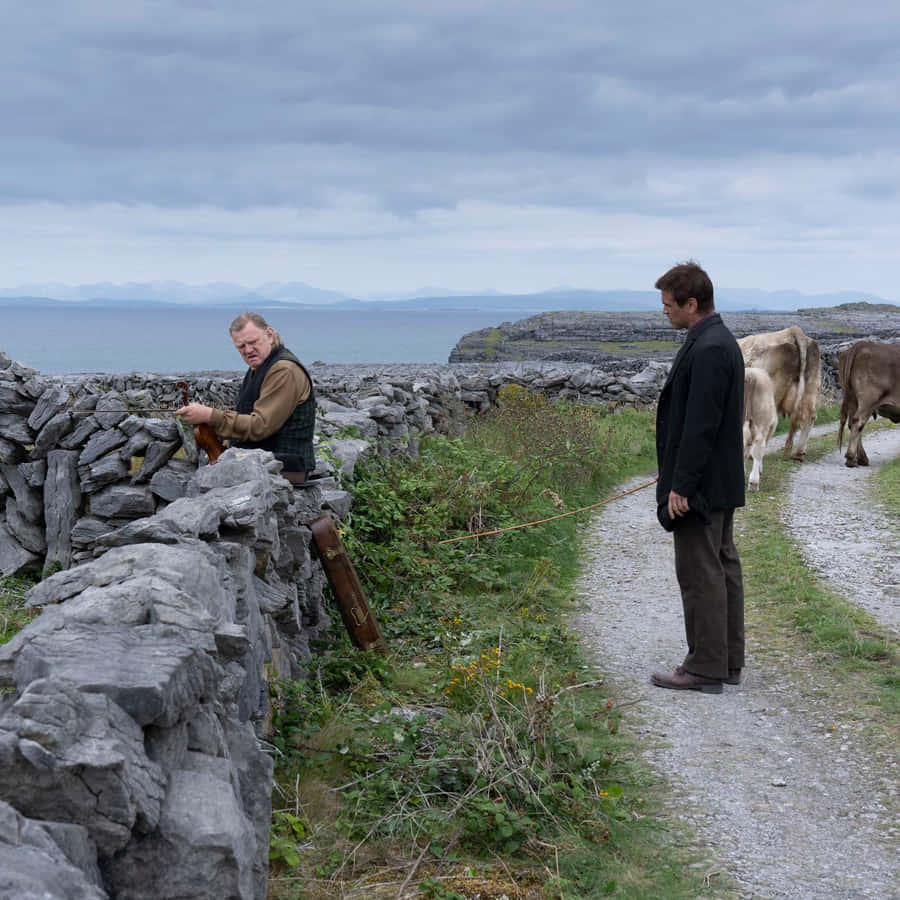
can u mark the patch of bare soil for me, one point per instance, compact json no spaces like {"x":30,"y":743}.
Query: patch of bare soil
{"x":775,"y":775}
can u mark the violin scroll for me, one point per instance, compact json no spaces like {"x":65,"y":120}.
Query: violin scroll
{"x":204,"y":434}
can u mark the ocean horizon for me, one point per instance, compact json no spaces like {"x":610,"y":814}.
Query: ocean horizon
{"x":74,"y":339}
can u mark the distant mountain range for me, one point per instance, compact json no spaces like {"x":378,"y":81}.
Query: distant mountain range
{"x":299,"y":294}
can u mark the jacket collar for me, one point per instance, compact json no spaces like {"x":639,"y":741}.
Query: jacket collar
{"x":693,"y":333}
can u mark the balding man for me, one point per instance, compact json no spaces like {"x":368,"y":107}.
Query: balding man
{"x":276,"y":404}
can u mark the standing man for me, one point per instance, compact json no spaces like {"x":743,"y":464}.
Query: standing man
{"x":276,"y":404}
{"x":700,"y":452}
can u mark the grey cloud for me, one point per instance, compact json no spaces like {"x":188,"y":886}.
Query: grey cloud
{"x":196,"y":103}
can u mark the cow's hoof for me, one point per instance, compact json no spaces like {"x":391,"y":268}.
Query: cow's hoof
{"x":850,"y":463}
{"x":752,"y":487}
{"x":799,"y":457}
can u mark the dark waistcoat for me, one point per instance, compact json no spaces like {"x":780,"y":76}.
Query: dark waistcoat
{"x":293,"y":442}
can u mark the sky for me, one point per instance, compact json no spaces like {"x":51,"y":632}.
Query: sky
{"x":379,"y":147}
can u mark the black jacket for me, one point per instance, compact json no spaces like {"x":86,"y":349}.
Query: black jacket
{"x":699,"y":423}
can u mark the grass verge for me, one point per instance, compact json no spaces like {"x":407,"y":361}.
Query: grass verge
{"x":886,"y":492}
{"x":13,"y":616}
{"x":481,"y":756}
{"x":794,"y":615}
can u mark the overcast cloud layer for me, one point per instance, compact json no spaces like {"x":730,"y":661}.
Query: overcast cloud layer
{"x":382,"y":146}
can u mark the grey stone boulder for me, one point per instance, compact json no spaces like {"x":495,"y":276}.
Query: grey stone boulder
{"x":136,"y":444}
{"x":29,"y":534}
{"x":15,"y":428}
{"x":171,"y":481}
{"x":111,"y":409}
{"x":10,"y":452}
{"x":51,"y":434}
{"x":140,"y":584}
{"x":12,"y":400}
{"x":34,"y":472}
{"x":204,"y":845}
{"x":156,"y":455}
{"x":332,"y":422}
{"x":72,"y":756}
{"x":100,"y":443}
{"x":650,"y":380}
{"x":165,"y":430}
{"x":62,"y":500}
{"x":33,"y":865}
{"x":88,"y":529}
{"x":154,"y":672}
{"x":338,"y":502}
{"x":85,"y":427}
{"x":102,"y":472}
{"x":13,"y":556}
{"x":347,"y":452}
{"x":181,"y":519}
{"x":51,"y":402}
{"x":122,"y":501}
{"x":254,"y":773}
{"x":30,"y":500}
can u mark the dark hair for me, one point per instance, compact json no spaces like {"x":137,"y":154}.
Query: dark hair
{"x":688,"y":280}
{"x":252,"y":318}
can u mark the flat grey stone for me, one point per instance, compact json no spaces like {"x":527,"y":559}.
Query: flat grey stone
{"x":51,"y":402}
{"x":100,"y":473}
{"x":121,"y":501}
{"x":85,"y":426}
{"x":28,"y":534}
{"x":13,"y":556}
{"x":51,"y":434}
{"x":171,"y":481}
{"x":157,"y":454}
{"x":15,"y":428}
{"x":152,"y":671}
{"x":204,"y":837}
{"x":30,"y":500}
{"x":136,"y":444}
{"x":77,"y":757}
{"x":100,"y":443}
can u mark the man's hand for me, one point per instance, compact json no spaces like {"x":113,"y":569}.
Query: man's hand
{"x":678,"y":505}
{"x":195,"y":413}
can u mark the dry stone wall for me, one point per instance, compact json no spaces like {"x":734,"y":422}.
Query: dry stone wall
{"x":133,"y":708}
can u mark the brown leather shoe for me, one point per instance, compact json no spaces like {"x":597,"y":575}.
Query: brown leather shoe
{"x":734,"y":676}
{"x":680,"y":680}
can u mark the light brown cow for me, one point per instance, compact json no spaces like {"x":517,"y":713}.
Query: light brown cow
{"x":760,"y":419}
{"x":870,"y":379}
{"x":792,"y":360}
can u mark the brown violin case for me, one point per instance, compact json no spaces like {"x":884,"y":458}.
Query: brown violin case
{"x":348,"y":592}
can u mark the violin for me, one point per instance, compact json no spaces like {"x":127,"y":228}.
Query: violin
{"x":204,"y":434}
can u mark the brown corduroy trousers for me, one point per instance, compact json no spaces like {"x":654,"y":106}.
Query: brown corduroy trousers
{"x":712,"y":594}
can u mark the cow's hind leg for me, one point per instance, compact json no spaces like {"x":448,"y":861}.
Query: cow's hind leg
{"x":802,"y":440}
{"x":855,"y":455}
{"x":757,"y":450}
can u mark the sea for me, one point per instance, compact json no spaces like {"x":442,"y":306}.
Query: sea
{"x":70,"y":339}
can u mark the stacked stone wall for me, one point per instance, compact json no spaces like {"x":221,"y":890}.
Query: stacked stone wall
{"x":133,"y":709}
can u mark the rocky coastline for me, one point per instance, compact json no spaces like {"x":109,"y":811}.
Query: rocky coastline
{"x":601,"y":336}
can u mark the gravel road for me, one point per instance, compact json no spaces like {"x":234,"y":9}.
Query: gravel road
{"x":845,"y":536}
{"x":775,"y":777}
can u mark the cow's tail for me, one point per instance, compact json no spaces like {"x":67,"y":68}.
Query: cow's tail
{"x":749,"y":391}
{"x":800,"y":343}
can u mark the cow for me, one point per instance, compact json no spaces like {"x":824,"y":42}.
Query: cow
{"x":793,"y":362}
{"x":760,"y":419}
{"x":870,"y":379}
